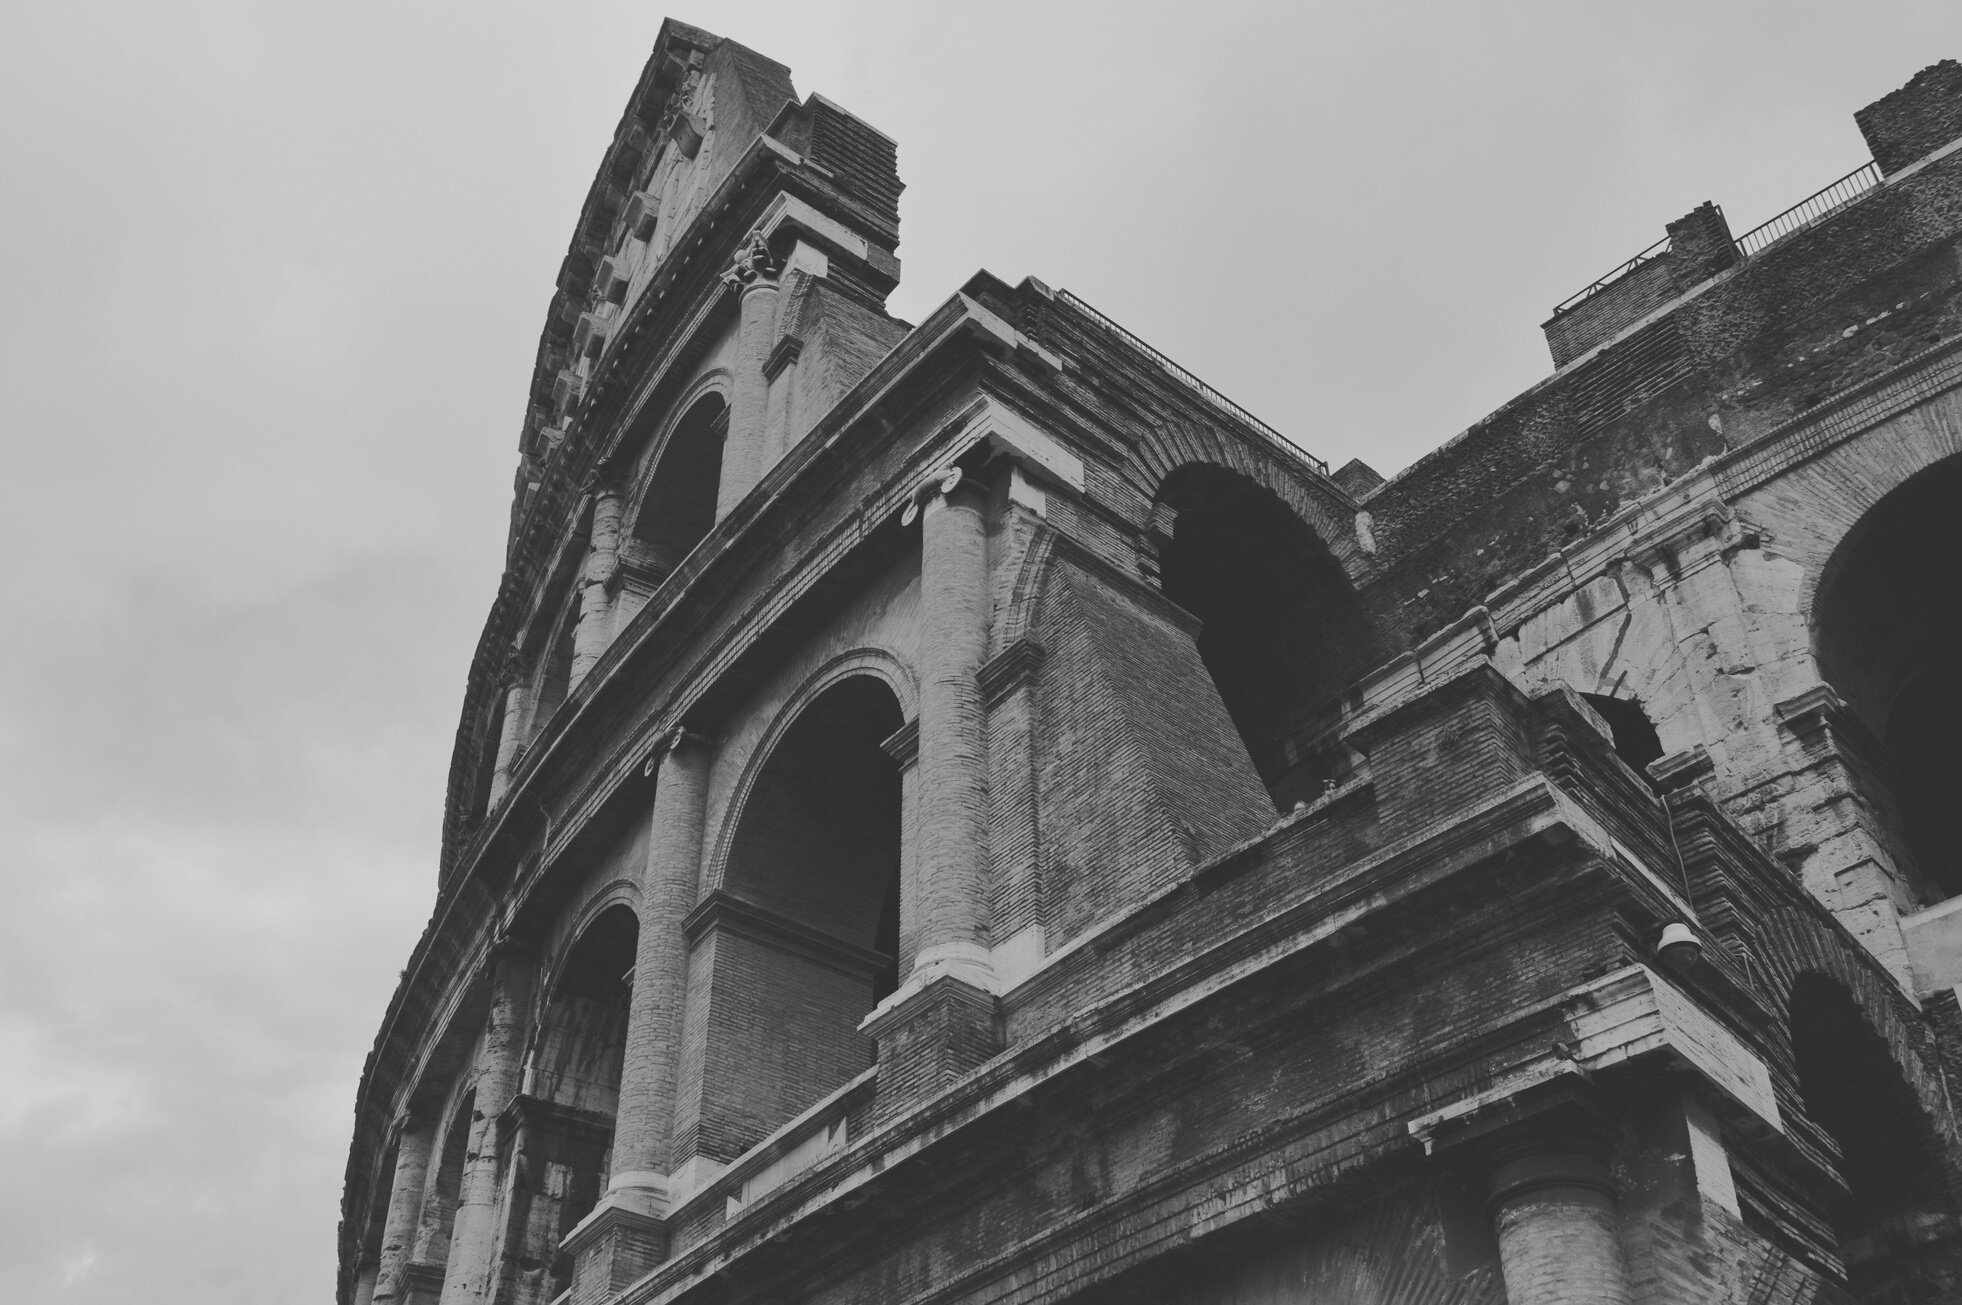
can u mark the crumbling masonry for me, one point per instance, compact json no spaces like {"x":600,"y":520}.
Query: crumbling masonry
{"x":964,"y":813}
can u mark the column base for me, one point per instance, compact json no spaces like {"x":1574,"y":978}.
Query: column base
{"x":930,"y":1037}
{"x":422,"y":1283}
{"x":624,"y":1237}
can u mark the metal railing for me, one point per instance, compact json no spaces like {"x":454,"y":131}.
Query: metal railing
{"x":1802,"y":214}
{"x":1810,"y":209}
{"x":1595,"y":287}
{"x":1193,"y":383}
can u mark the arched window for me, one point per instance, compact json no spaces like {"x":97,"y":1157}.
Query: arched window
{"x":573,"y":1086}
{"x":803,"y":937}
{"x":1283,"y":630}
{"x":678,"y":506}
{"x":1887,"y":622}
{"x":1888,"y":1153}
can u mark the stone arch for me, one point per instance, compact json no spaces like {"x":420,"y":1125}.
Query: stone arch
{"x":1283,"y":630}
{"x":671,"y":493}
{"x":581,"y":1026}
{"x":1172,"y":448}
{"x":1885,"y":625}
{"x":1890,"y":1153}
{"x":571,"y":1087}
{"x":1798,"y":940}
{"x":597,"y":900}
{"x":552,"y":677}
{"x":1020,"y":614}
{"x":443,"y":1181}
{"x":878,"y":663}
{"x":802,"y":934}
{"x":1815,"y":508}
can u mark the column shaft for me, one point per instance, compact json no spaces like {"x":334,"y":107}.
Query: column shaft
{"x":517,"y":699}
{"x":1554,"y":1212}
{"x":643,"y":1126}
{"x":472,"y":1277}
{"x":951,"y":914}
{"x":412,"y":1151}
{"x":595,"y":629}
{"x":749,"y":395}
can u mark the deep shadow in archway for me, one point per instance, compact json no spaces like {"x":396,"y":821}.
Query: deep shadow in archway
{"x":678,"y":508}
{"x":1889,"y":1154}
{"x":1886,"y":625}
{"x":1283,"y":630}
{"x":574,"y":1077}
{"x":815,"y":943}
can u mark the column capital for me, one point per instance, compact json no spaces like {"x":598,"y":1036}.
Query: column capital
{"x":677,"y":740}
{"x":511,"y":668}
{"x":753,"y":267}
{"x":602,"y":480}
{"x":508,"y":947}
{"x":939,"y":489}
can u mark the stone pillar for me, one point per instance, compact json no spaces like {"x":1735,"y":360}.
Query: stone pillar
{"x":510,"y":730}
{"x":755,"y":278}
{"x":951,"y":915}
{"x":1553,"y":1208}
{"x":596,"y":586}
{"x":472,"y":1276}
{"x":942,"y":1020}
{"x":412,"y":1150}
{"x":624,"y":1236}
{"x":644,"y":1123}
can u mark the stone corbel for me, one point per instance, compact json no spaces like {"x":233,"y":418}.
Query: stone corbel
{"x":903,"y":745}
{"x":1011,"y":669}
{"x":788,"y":350}
{"x":1812,"y":714}
{"x":1682,"y":769}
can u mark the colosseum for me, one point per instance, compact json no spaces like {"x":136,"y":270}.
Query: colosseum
{"x":963,"y":812}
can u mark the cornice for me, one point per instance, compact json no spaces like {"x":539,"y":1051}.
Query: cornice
{"x":724,"y":912}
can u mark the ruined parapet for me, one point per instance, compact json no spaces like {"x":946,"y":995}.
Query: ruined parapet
{"x":1907,"y":125}
{"x":1696,"y":248}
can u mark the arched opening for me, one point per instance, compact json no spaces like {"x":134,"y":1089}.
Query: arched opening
{"x":678,"y":508}
{"x":1886,"y":623}
{"x":805,"y":936}
{"x":555,"y":676}
{"x":572,"y":1093}
{"x":441,"y":1186}
{"x":1631,"y":730}
{"x":1888,"y":1153}
{"x":1283,"y":632}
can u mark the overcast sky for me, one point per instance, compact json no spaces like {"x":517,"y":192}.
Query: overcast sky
{"x":271,"y":279}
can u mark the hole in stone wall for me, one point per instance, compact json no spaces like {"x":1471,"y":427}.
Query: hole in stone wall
{"x":1283,"y":630}
{"x":1886,"y":625}
{"x":1635,"y":739}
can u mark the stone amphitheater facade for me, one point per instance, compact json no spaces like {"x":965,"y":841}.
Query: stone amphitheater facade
{"x":963,"y":812}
